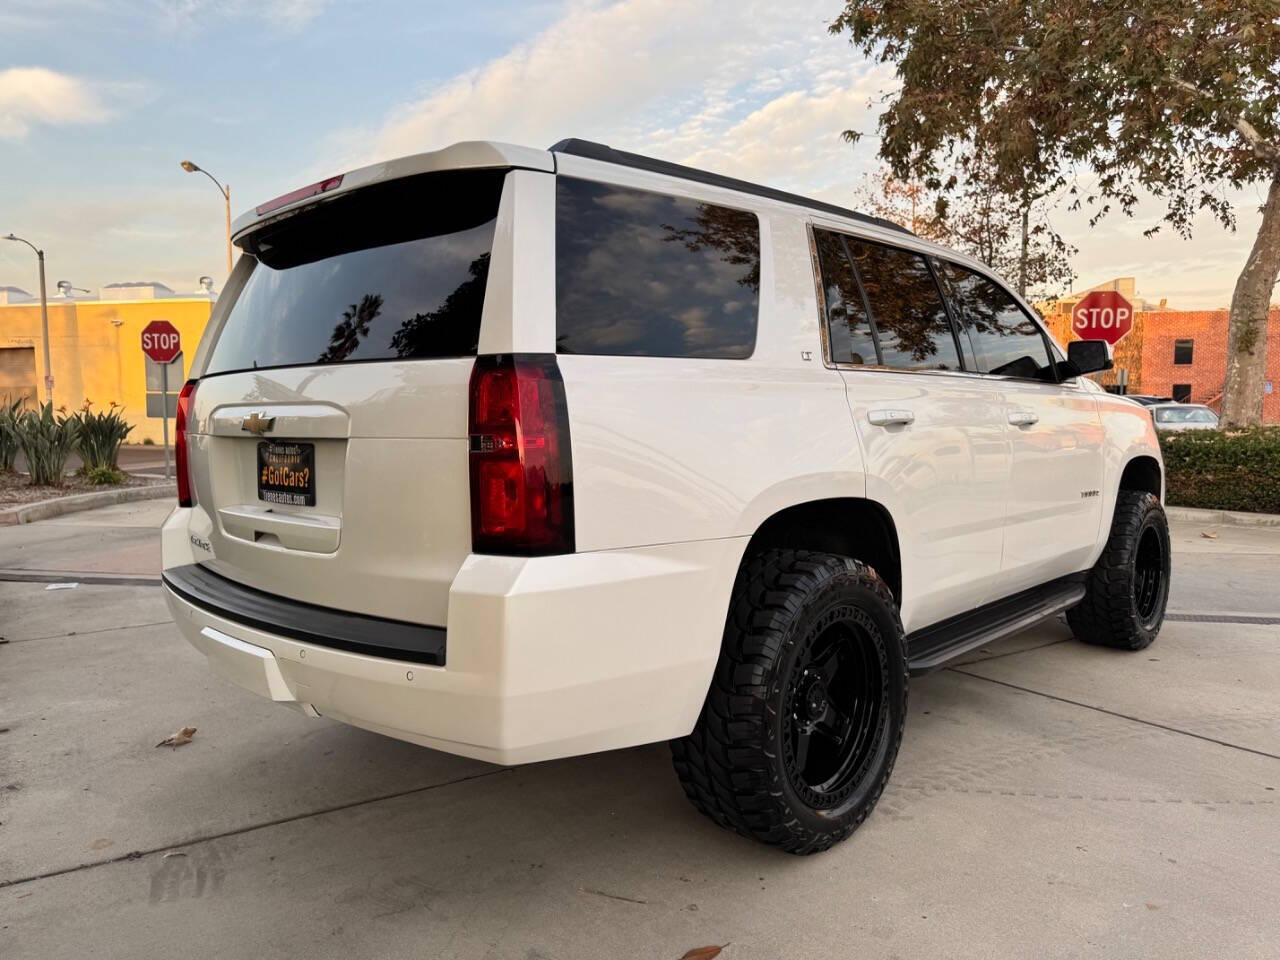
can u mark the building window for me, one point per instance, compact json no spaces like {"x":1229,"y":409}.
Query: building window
{"x":1182,"y":350}
{"x":1182,"y":392}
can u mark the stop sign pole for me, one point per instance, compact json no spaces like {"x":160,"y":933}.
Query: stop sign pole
{"x":162,"y":343}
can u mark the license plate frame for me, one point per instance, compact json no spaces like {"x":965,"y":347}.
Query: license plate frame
{"x":287,"y":473}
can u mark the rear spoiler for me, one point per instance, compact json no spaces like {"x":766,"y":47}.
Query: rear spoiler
{"x":467,"y":155}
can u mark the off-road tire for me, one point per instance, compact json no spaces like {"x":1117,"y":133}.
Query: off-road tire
{"x":734,"y":765}
{"x":1119,"y":610}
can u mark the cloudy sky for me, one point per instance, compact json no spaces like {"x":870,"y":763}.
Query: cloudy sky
{"x":101,"y":99}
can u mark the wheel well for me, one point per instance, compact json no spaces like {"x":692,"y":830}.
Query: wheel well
{"x":848,"y":526}
{"x":1141,"y":473}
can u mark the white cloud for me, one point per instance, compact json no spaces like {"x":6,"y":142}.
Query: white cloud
{"x":167,"y":15}
{"x":190,"y":13}
{"x":757,"y":90}
{"x":35,"y":95}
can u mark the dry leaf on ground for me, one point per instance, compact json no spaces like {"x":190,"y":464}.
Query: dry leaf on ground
{"x":1209,"y":535}
{"x":178,"y":739}
{"x":703,"y":953}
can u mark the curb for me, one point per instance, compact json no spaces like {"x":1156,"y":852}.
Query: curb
{"x":46,"y":509}
{"x":90,"y":579}
{"x":1230,"y":517}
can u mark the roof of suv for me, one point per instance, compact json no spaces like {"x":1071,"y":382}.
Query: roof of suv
{"x":606,"y":154}
{"x":475,"y":154}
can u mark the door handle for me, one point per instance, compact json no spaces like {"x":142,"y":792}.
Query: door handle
{"x":1023,"y":418}
{"x":889,"y":418}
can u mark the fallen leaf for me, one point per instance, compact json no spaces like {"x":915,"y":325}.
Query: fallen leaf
{"x":1209,"y":535}
{"x":703,"y":953}
{"x":178,"y":739}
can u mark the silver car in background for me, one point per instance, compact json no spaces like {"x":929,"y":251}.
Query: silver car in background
{"x":1183,"y":416}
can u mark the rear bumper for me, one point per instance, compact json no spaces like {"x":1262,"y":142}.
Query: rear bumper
{"x":355,"y":633}
{"x":547,"y":656}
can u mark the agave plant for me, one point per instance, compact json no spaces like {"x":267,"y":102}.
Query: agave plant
{"x":100,"y":436}
{"x":46,"y":439}
{"x":8,"y":433}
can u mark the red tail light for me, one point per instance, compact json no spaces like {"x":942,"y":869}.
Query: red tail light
{"x":186,"y":489}
{"x":521,"y":464}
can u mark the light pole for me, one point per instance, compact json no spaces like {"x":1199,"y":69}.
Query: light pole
{"x":190,"y":167}
{"x":44,"y":318}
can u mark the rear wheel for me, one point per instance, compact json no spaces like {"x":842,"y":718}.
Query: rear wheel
{"x":1128,"y":588}
{"x":806,"y":711}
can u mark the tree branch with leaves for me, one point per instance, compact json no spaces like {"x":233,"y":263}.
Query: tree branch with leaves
{"x":1178,"y":99}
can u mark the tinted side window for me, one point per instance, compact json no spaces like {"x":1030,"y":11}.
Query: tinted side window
{"x":847,"y":323}
{"x":1005,"y":339}
{"x":910,"y":318}
{"x":645,"y":274}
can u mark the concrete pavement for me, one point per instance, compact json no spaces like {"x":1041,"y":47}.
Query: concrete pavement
{"x":1051,"y":800}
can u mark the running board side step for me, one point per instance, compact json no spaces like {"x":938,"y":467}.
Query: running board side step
{"x":933,"y":646}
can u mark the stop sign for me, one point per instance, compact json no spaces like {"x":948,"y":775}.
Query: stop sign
{"x":1102,"y":315}
{"x":161,"y":341}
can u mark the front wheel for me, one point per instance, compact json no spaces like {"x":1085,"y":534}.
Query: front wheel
{"x":806,"y":710}
{"x":1128,"y":588}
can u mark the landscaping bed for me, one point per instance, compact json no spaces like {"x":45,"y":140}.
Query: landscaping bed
{"x":1223,"y":470}
{"x":16,"y":489}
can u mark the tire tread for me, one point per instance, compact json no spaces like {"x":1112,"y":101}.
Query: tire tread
{"x":727,"y":765}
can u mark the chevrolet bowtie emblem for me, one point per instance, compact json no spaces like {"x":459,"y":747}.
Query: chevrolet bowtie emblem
{"x":257,"y":423}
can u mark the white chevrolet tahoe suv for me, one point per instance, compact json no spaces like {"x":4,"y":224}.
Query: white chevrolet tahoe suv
{"x":520,"y":454}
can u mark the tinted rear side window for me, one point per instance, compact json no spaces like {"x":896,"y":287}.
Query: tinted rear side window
{"x":646,"y":274}
{"x":847,"y":323}
{"x":1006,"y":341}
{"x":910,"y":317}
{"x":395,"y":271}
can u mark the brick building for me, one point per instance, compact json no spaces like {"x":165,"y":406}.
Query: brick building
{"x":1175,"y":353}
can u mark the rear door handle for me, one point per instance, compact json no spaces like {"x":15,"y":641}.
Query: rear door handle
{"x":888,"y":418}
{"x":1023,"y":418}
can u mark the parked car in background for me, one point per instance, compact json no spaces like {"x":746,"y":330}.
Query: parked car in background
{"x":1184,"y":416}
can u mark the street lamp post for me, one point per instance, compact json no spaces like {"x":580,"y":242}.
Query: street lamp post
{"x":44,"y":318}
{"x":190,"y":167}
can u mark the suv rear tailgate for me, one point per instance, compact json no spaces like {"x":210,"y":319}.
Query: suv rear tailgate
{"x":328,"y":432}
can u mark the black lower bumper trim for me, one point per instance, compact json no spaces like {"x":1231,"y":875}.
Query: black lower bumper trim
{"x":306,"y":622}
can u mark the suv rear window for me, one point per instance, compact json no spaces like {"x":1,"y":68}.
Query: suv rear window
{"x":394,"y":271}
{"x":644,"y":274}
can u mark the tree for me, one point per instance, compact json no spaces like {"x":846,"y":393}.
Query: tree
{"x":1175,"y":98}
{"x":1015,"y":240}
{"x":906,"y":202}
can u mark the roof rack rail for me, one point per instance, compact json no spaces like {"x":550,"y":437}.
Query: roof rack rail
{"x":599,"y":151}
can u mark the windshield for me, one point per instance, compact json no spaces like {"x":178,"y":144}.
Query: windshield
{"x":1185,"y":415}
{"x":395,"y":271}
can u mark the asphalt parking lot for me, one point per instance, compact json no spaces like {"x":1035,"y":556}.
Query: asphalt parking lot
{"x":1050,"y":800}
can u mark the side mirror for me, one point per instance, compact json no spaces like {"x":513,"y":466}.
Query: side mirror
{"x":1089,"y":356}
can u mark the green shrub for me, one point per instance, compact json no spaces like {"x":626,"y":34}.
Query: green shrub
{"x":148,"y":442}
{"x":46,"y":440}
{"x":1221,"y":470}
{"x":104,"y":476}
{"x":100,"y":436}
{"x":8,"y":432}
